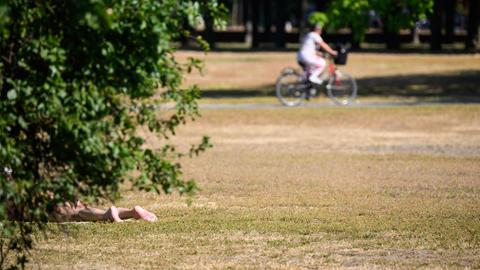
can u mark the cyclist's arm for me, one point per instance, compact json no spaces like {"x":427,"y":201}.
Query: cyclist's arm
{"x":327,"y":48}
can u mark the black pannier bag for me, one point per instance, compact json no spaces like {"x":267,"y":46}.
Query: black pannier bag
{"x":341,"y":58}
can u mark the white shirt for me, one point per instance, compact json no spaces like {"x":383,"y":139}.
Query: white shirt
{"x":308,"y":48}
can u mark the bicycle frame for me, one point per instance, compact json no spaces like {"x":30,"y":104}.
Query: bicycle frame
{"x":329,"y":70}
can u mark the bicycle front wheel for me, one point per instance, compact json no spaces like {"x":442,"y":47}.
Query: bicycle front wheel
{"x":342,"y":88}
{"x":291,"y":88}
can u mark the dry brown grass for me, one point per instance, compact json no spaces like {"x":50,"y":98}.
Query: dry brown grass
{"x":305,"y":188}
{"x":228,"y":70}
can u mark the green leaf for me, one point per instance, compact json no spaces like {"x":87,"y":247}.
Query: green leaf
{"x":22,"y":122}
{"x":12,"y":94}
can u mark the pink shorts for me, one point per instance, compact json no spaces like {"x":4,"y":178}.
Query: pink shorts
{"x":313,"y":62}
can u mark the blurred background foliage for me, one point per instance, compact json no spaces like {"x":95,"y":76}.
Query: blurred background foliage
{"x":436,"y":23}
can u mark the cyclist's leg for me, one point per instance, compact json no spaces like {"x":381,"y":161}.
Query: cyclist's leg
{"x":305,"y":68}
{"x":317,"y":66}
{"x":308,"y":67}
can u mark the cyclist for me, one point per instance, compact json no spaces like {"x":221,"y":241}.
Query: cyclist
{"x":309,"y":58}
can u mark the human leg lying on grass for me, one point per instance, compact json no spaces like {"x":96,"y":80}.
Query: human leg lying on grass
{"x":82,"y":212}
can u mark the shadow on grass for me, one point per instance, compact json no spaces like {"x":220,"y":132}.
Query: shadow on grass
{"x":460,"y":86}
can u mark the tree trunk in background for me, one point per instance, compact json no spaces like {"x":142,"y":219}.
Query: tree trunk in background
{"x":391,"y":38}
{"x":209,"y":31}
{"x":255,"y":9}
{"x":321,"y":5}
{"x":247,"y":18}
{"x":234,"y":13}
{"x":302,"y":17}
{"x":184,"y":39}
{"x":267,"y":20}
{"x":392,"y":41}
{"x":238,"y":12}
{"x":436,"y":26}
{"x":472,"y":27}
{"x":241,"y":12}
{"x":449,"y":9}
{"x":245,"y":11}
{"x":280,"y":20}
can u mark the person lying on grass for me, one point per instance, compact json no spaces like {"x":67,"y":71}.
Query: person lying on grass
{"x":81,"y":212}
{"x":68,"y":212}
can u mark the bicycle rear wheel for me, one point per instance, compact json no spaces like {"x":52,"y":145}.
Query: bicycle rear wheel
{"x":342,"y":88}
{"x":291,"y":88}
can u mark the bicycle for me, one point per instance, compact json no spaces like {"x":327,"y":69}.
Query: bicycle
{"x":293,"y":87}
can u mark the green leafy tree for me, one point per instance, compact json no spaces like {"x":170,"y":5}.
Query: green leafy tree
{"x":78,"y":80}
{"x":319,"y":18}
{"x":395,"y":15}
{"x":349,"y":13}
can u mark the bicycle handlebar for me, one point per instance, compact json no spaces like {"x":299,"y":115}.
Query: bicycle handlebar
{"x":329,"y":56}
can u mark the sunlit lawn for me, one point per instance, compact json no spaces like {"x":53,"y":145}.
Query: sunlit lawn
{"x":379,"y":76}
{"x":304,"y":188}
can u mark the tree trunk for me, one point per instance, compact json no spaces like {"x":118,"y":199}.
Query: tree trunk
{"x":241,"y":12}
{"x":237,"y":12}
{"x":436,"y":26}
{"x":280,"y":20}
{"x":302,"y":17}
{"x":449,"y":20}
{"x":245,"y":11}
{"x":391,"y":38}
{"x":267,"y":23}
{"x":321,"y":5}
{"x":184,"y":39}
{"x":234,"y":13}
{"x":209,"y":31}
{"x":247,"y":18}
{"x":255,"y":8}
{"x":472,"y":28}
{"x":392,"y":41}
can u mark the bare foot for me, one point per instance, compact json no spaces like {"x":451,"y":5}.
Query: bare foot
{"x":140,"y":213}
{"x":112,"y":214}
{"x":79,"y":205}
